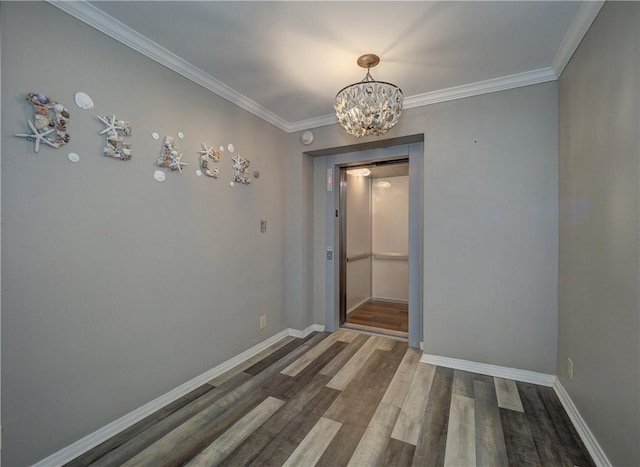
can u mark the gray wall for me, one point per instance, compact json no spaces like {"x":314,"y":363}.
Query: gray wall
{"x":490,"y":225}
{"x":298,"y":235}
{"x":116,"y":288}
{"x":599,"y":279}
{"x":491,"y":230}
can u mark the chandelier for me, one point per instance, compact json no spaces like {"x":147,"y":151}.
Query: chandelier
{"x":370,"y":106}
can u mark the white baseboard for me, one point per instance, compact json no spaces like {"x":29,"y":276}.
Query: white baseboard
{"x":391,"y":300}
{"x":491,"y":370}
{"x":380,"y":299}
{"x":305,"y":332}
{"x":359,"y":304}
{"x":97,"y":437}
{"x":590,"y":442}
{"x":90,"y":441}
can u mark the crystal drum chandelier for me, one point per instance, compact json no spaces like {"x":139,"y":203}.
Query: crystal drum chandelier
{"x":370,"y":106}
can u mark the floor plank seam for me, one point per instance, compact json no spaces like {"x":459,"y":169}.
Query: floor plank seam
{"x":350,"y":399}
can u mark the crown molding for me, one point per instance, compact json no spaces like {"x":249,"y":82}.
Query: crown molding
{"x":96,"y":18}
{"x":527,"y":78}
{"x":315,"y":122}
{"x":579,"y":27}
{"x":113,"y":28}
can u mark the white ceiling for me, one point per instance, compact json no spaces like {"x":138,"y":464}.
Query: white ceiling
{"x":285,"y":61}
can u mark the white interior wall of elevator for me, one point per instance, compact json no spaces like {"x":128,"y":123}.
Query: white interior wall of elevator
{"x":390,"y":235}
{"x":358,"y":240}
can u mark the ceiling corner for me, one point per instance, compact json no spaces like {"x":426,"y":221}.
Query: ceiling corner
{"x":96,"y":18}
{"x":579,"y":27}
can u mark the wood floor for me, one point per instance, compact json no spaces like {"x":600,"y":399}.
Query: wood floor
{"x":350,"y":399}
{"x":381,"y":314}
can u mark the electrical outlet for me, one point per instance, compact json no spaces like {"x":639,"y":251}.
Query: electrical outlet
{"x":570,"y":368}
{"x":263,"y":321}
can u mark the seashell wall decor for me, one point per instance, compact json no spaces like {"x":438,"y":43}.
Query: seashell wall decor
{"x":206,"y":154}
{"x":159,"y":176}
{"x":241,"y":170}
{"x":115,"y":130}
{"x":83,"y":100}
{"x":169,"y":156}
{"x":49,"y":124}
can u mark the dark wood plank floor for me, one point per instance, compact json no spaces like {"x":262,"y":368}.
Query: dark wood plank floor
{"x":381,"y":314}
{"x":350,"y":399}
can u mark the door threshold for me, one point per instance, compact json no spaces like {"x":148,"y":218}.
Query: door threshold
{"x":404,"y":336}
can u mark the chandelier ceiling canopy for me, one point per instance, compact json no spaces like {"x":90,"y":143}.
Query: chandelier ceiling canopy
{"x":369,"y":107}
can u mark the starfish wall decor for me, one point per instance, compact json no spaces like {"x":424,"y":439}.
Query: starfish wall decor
{"x":206,"y":154}
{"x":169,"y":157}
{"x":115,"y":130}
{"x":49,"y":125}
{"x":241,"y":170}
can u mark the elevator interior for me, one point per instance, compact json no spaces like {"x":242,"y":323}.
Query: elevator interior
{"x":374,"y":245}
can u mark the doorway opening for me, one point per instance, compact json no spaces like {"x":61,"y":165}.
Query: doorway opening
{"x":374,"y":247}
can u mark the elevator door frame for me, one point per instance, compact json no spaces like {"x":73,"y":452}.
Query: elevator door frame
{"x":342,"y":244}
{"x":415,"y":153}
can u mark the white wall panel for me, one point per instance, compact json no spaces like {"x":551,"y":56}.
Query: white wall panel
{"x":390,"y":235}
{"x":391,"y":279}
{"x":358,"y":283}
{"x":358,"y":239}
